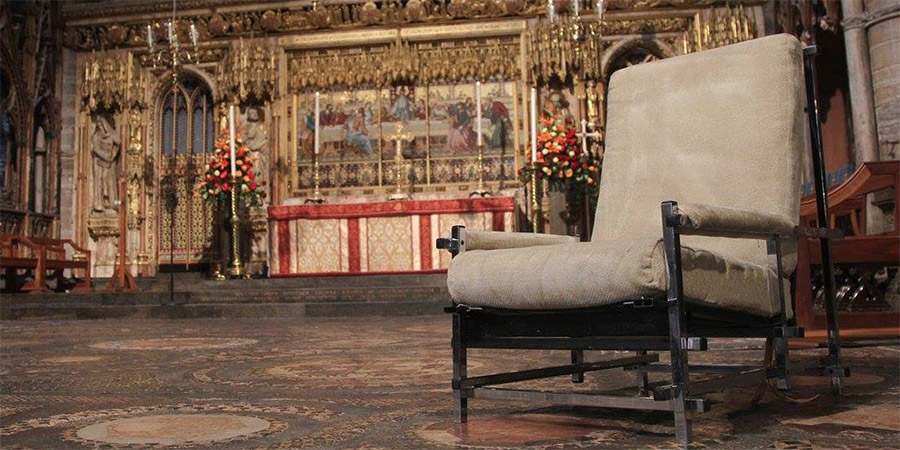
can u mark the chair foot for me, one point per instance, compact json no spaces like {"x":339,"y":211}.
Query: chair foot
{"x":461,"y":408}
{"x":682,"y":426}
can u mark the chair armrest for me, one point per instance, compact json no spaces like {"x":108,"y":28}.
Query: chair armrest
{"x":496,"y":240}
{"x":708,"y":220}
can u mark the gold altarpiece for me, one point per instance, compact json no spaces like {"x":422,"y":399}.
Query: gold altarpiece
{"x":418,"y":66}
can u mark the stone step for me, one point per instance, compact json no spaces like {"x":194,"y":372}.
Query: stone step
{"x":195,"y":296}
{"x":219,"y":310}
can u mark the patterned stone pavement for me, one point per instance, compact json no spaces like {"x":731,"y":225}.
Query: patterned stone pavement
{"x":373,"y":383}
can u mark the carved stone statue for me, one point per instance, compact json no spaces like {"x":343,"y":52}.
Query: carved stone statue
{"x":105,"y":148}
{"x":257,"y":139}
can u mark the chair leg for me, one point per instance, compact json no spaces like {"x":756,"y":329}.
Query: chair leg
{"x":677,"y":323}
{"x":781,"y":363}
{"x":643,"y":382}
{"x":680,"y":381}
{"x":578,"y":358}
{"x":459,"y":370}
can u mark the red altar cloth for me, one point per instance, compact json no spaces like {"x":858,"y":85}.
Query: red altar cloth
{"x":375,"y":238}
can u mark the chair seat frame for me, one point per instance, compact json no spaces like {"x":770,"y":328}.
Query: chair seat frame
{"x":671,"y":323}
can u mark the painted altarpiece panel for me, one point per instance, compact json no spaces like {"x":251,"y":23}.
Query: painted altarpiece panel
{"x":357,"y":146}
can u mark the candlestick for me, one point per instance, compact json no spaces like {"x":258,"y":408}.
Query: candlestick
{"x":534,"y":124}
{"x":478,"y":109}
{"x":583,"y":135}
{"x":316,"y":126}
{"x":231,"y":135}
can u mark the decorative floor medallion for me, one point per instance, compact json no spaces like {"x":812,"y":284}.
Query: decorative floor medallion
{"x":174,"y":344}
{"x":174,"y":429}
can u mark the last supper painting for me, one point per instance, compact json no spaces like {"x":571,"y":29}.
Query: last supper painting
{"x":429,"y":224}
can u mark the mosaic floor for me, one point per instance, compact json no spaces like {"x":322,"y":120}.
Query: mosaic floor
{"x":373,"y":383}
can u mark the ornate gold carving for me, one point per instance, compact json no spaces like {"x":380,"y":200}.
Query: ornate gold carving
{"x":567,"y":47}
{"x":111,"y":82}
{"x":103,"y":226}
{"x":250,"y":72}
{"x":403,"y":62}
{"x":135,"y":168}
{"x":721,"y":26}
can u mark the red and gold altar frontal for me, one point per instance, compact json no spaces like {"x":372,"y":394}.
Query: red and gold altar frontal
{"x":376,"y":238}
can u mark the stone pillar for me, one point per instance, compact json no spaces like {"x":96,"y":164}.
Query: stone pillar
{"x":859,"y":72}
{"x":884,"y":52}
{"x":67,"y":145}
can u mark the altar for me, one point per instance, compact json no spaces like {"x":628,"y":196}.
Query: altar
{"x":375,"y":238}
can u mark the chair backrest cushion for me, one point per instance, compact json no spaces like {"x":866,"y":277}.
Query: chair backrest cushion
{"x":723,"y":127}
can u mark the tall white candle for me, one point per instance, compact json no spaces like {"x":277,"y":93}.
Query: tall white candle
{"x":150,"y":37}
{"x":317,"y":125}
{"x":478,"y":109}
{"x":195,"y":37}
{"x":231,"y":135}
{"x":584,"y":135}
{"x":534,"y":124}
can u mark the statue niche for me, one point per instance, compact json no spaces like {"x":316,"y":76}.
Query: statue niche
{"x":105,"y":153}
{"x":257,"y":139}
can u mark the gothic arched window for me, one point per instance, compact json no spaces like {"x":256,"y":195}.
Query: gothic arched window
{"x":187,"y":119}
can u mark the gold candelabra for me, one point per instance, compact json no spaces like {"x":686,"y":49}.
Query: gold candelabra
{"x":399,"y":136}
{"x":172,"y":54}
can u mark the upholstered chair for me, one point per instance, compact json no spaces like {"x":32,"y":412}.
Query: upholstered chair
{"x":708,"y":146}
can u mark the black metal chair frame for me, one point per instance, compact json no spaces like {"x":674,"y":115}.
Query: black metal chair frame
{"x":649,"y":324}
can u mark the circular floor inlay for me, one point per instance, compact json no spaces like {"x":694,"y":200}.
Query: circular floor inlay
{"x":521,"y":431}
{"x":174,"y":344}
{"x":385,"y":370}
{"x":173,"y":429}
{"x":70,"y":359}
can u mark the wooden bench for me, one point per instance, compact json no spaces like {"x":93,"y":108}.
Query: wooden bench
{"x":41,"y":255}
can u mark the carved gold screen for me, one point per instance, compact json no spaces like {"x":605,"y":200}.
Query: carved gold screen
{"x":186,"y":118}
{"x":429,"y":88}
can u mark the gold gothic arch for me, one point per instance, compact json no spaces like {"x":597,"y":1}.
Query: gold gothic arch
{"x":185,"y":112}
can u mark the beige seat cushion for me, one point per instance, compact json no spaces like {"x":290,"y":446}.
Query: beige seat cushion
{"x":591,"y":274}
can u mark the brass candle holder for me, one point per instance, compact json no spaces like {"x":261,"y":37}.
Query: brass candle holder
{"x":481,"y":190}
{"x":536,"y":194}
{"x":236,"y":270}
{"x":317,"y":193}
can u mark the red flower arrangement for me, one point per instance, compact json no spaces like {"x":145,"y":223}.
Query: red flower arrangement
{"x":560,"y":159}
{"x":215,"y":185}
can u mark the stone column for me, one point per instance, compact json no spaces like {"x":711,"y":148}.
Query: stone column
{"x":67,"y":155}
{"x":859,"y":72}
{"x":884,"y":51}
